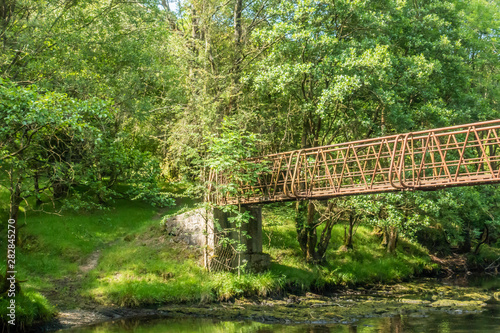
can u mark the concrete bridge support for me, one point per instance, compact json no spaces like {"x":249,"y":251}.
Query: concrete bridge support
{"x":206,"y":228}
{"x":255,"y":259}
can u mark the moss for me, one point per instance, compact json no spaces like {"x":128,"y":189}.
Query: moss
{"x":333,"y":309}
{"x":457,"y":303}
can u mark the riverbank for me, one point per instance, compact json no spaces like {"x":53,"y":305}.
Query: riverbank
{"x":123,"y":258}
{"x":422,"y":298}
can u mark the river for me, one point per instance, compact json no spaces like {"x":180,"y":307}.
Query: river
{"x":422,"y":307}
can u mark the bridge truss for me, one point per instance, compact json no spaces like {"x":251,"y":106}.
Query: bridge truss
{"x":425,"y":160}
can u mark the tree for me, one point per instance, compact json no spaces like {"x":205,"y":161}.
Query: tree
{"x":34,"y":124}
{"x":353,"y":70}
{"x":111,"y":50}
{"x":228,"y":159}
{"x":214,"y":48}
{"x":51,"y":143}
{"x":309,"y":216}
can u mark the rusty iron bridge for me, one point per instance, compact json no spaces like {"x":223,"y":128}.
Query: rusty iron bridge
{"x":426,"y":160}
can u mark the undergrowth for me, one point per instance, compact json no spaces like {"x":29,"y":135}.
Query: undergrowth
{"x":141,"y":264}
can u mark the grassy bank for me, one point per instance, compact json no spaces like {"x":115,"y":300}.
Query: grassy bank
{"x":123,"y":256}
{"x":54,"y":249}
{"x":366,"y":263}
{"x":150,"y":267}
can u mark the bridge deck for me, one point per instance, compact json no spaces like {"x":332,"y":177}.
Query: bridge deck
{"x":425,"y":160}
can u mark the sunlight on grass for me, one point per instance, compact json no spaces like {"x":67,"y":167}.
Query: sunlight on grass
{"x":141,"y":264}
{"x":30,"y":306}
{"x":52,"y":246}
{"x":367,"y":263}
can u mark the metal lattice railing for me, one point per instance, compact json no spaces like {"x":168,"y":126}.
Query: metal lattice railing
{"x":223,"y":257}
{"x":425,"y":160}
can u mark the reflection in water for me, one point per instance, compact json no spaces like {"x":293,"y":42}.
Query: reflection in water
{"x":436,"y":322}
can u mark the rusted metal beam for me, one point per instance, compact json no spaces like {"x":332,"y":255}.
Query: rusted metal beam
{"x":425,"y":160}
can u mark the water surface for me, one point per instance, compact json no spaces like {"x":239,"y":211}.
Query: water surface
{"x":438,"y":322}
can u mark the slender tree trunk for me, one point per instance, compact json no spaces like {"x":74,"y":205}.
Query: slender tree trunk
{"x":15,"y":201}
{"x":385,"y":236}
{"x":238,"y":8}
{"x":349,"y":233}
{"x":324,"y":240}
{"x":236,"y":70}
{"x":392,"y":241}
{"x":306,"y":230}
{"x":36,"y":179}
{"x":483,"y":239}
{"x":311,"y":233}
{"x":301,"y":227}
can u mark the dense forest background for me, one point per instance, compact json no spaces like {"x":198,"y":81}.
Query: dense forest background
{"x":98,"y":94}
{"x":110,"y":107}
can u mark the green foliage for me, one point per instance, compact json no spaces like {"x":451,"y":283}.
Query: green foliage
{"x":366,"y":263}
{"x":230,"y":154}
{"x":62,"y":141}
{"x":228,"y":285}
{"x":228,"y":157}
{"x":44,"y":254}
{"x":140,"y":264}
{"x":99,"y":99}
{"x":158,"y":271}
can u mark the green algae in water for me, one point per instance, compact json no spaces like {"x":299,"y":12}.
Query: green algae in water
{"x":419,"y":307}
{"x":439,"y":322}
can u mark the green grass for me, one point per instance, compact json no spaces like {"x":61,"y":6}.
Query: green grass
{"x":30,"y":307}
{"x":150,"y":268}
{"x":54,"y":246}
{"x":51,"y":247}
{"x":146,"y":268}
{"x":367,"y":263}
{"x":140,"y":264}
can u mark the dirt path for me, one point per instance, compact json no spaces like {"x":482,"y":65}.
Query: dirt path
{"x":65,"y":294}
{"x":73,"y":309}
{"x":91,"y":262}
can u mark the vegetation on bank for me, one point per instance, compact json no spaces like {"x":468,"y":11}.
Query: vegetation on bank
{"x":101,"y":102}
{"x":152,"y":267}
{"x":140,"y":264}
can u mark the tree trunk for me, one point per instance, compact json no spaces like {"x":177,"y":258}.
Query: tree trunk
{"x":311,"y":233}
{"x":482,"y":239}
{"x":238,"y":8}
{"x":324,"y":240}
{"x":348,"y":235}
{"x":301,"y":227}
{"x":36,"y":178}
{"x":236,"y":70}
{"x":307,"y":235}
{"x":385,"y":236}
{"x":392,"y":241}
{"x":15,"y":201}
